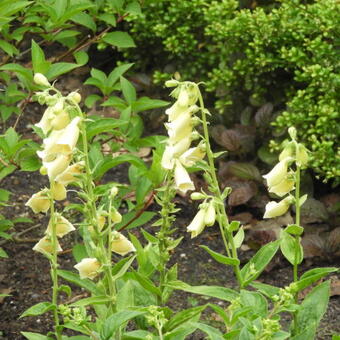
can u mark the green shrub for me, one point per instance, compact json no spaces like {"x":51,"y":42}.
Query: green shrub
{"x":284,"y":54}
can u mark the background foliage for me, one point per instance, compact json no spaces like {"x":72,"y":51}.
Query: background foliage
{"x":283,"y":53}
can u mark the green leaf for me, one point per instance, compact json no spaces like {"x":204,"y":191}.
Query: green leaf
{"x":8,"y":48}
{"x":239,"y":237}
{"x":109,"y":163}
{"x":4,"y":195}
{"x":91,"y":100}
{"x":265,"y":289}
{"x":31,"y":163}
{"x":312,"y":276}
{"x":35,"y":336}
{"x":212,"y":332}
{"x":39,"y":63}
{"x":290,"y":249}
{"x":79,"y":252}
{"x":254,"y":300}
{"x":119,"y":39}
{"x":222,"y":258}
{"x":122,"y":267}
{"x":81,"y":57}
{"x":108,"y":18}
{"x":233,"y":226}
{"x":182,"y":317}
{"x":102,"y":125}
{"x":129,"y":91}
{"x":94,"y":300}
{"x":85,"y":19}
{"x":125,"y":297}
{"x":6,"y":171}
{"x":117,"y":73}
{"x":147,"y":284}
{"x":313,"y":308}
{"x":136,"y":335}
{"x":294,"y":229}
{"x":74,"y":278}
{"x":258,"y":262}
{"x":112,"y":324}
{"x":38,"y":309}
{"x":3,"y":254}
{"x":222,"y":293}
{"x":146,"y":103}
{"x":58,"y":69}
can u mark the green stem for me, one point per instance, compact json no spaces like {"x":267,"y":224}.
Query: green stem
{"x":54,"y":266}
{"x":297,"y":221}
{"x":166,"y":202}
{"x":223,"y":220}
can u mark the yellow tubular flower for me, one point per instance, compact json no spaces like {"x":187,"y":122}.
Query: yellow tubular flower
{"x":70,"y":173}
{"x":88,"y":268}
{"x":197,"y":224}
{"x":45,"y":246}
{"x":120,"y":244}
{"x":60,"y":121}
{"x":39,"y":202}
{"x":183,"y":183}
{"x":210,"y":215}
{"x":63,"y":226}
{"x":192,"y":155}
{"x":45,"y":123}
{"x":57,"y":166}
{"x":278,"y":173}
{"x":58,"y":192}
{"x":275,"y":209}
{"x":284,"y":187}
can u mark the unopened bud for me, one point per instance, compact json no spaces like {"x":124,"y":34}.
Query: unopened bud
{"x":40,"y":79}
{"x":114,"y":192}
{"x":292,"y":132}
{"x":43,"y":171}
{"x":74,"y":96}
{"x":171,"y":83}
{"x":197,"y":196}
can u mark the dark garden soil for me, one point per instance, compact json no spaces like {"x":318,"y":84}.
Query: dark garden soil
{"x":25,"y":276}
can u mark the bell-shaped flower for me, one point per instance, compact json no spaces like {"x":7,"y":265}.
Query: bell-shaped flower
{"x":168,"y":160}
{"x":51,"y":149}
{"x":45,"y":246}
{"x":70,"y":134}
{"x":183,"y":182}
{"x":39,"y":202}
{"x":175,"y":111}
{"x":88,"y":268}
{"x":197,"y":224}
{"x":70,"y":173}
{"x":180,"y":128}
{"x":120,"y":244}
{"x":40,"y":79}
{"x":180,"y":147}
{"x":116,"y":217}
{"x":60,"y":121}
{"x":62,"y":227}
{"x":274,"y":209}
{"x":301,"y":155}
{"x":288,"y":151}
{"x":192,"y":155}
{"x":278,"y":173}
{"x":210,"y":214}
{"x":284,"y":187}
{"x":57,"y":166}
{"x":101,"y":220}
{"x":45,"y":123}
{"x":58,"y":191}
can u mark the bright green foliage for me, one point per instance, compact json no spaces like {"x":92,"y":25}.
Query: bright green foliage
{"x":284,"y":54}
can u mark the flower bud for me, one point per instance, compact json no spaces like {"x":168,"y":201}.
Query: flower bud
{"x":39,"y":202}
{"x":292,"y":132}
{"x":101,"y":220}
{"x":120,"y":244}
{"x":75,"y":96}
{"x":171,"y":83}
{"x":210,"y":214}
{"x":195,"y":196}
{"x":114,"y":192}
{"x":40,"y":79}
{"x":88,"y":268}
{"x":45,"y":246}
{"x":62,"y":227}
{"x":288,"y":151}
{"x":43,"y":171}
{"x":301,"y":155}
